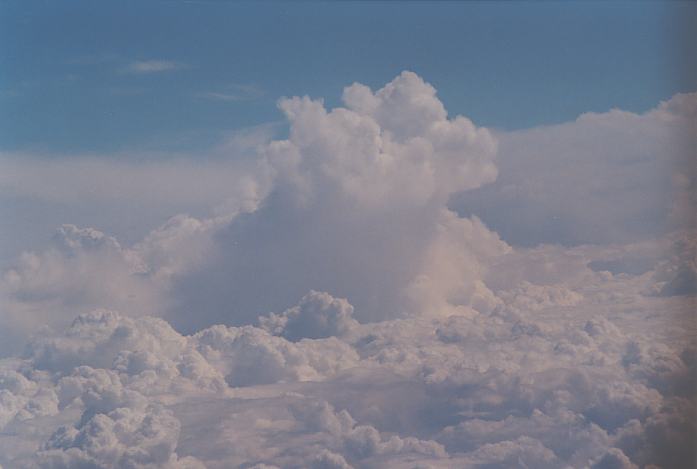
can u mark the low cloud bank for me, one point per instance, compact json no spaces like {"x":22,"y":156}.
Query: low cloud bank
{"x":542,"y":380}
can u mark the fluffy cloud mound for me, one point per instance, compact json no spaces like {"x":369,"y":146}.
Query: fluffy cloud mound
{"x":122,"y":438}
{"x":317,"y":315}
{"x":395,"y":146}
{"x":250,"y":356}
{"x":84,"y":270}
{"x":22,"y":398}
{"x":96,"y":338}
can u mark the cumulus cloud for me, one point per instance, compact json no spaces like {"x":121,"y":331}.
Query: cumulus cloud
{"x":418,"y":338}
{"x":567,"y":388}
{"x":358,"y":209}
{"x":317,"y":315}
{"x":83,"y":269}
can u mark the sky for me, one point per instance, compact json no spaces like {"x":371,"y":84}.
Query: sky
{"x":146,"y":82}
{"x":348,"y":235}
{"x":71,"y":81}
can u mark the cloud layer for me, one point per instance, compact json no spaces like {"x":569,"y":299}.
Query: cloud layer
{"x":608,"y":177}
{"x":419,"y":338}
{"x":541,"y":380}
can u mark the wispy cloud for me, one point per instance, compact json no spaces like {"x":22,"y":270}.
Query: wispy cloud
{"x":232,"y":93}
{"x":153,"y":66}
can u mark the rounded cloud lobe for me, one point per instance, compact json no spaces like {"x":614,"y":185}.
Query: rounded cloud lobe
{"x":318,"y":315}
{"x":418,"y":337}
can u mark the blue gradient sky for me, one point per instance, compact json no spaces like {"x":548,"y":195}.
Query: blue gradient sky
{"x":66,"y":85}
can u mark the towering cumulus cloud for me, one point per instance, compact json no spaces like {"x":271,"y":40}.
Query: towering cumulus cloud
{"x":335,"y":313}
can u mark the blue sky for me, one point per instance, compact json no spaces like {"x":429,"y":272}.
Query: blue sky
{"x":71,"y":80}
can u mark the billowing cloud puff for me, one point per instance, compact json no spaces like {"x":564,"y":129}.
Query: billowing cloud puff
{"x":83,"y":270}
{"x":21,"y":398}
{"x":96,"y":338}
{"x":123,"y":437}
{"x":317,"y":315}
{"x":249,"y":356}
{"x":396,"y":146}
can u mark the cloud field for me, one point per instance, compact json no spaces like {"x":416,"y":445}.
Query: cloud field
{"x":387,"y":286}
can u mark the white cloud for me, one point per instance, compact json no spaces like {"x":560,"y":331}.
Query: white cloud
{"x":356,"y":208}
{"x":233,"y":93}
{"x":153,"y":66}
{"x":127,"y":194}
{"x":123,"y":437}
{"x":318,"y":315}
{"x":451,"y":349}
{"x":566,"y":388}
{"x":175,"y":183}
{"x":606,"y":177}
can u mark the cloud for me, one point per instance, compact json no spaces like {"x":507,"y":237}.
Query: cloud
{"x":419,"y":338}
{"x":127,"y":194}
{"x":153,"y":66}
{"x":318,"y":315}
{"x":614,"y":458}
{"x":550,"y":386}
{"x":121,"y":438}
{"x":83,"y":270}
{"x":354,"y":203}
{"x":357,"y":208}
{"x":606,"y":177}
{"x":175,"y":183}
{"x":677,"y":274}
{"x":233,"y":93}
